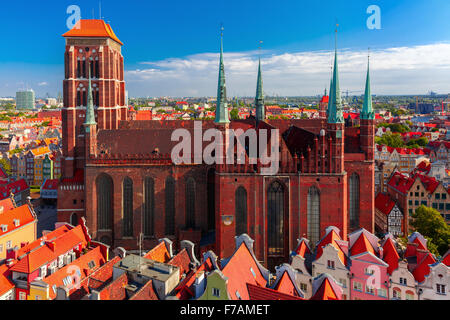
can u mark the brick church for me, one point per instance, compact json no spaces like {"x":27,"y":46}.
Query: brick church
{"x":118,"y":172}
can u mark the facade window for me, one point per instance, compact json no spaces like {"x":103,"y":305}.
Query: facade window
{"x":357,"y":286}
{"x":409,"y":296}
{"x":303,"y":287}
{"x":382,"y":292}
{"x":170,"y":205}
{"x":216,"y":292}
{"x":127,"y":207}
{"x":105,"y":207}
{"x":330,"y":264}
{"x":397,"y":294}
{"x":353,"y":191}
{"x":190,"y":203}
{"x":343,"y":283}
{"x":437,"y":196}
{"x":275,"y":218}
{"x":313,"y":215}
{"x":440,"y":289}
{"x":149,"y":206}
{"x":22,"y":296}
{"x":8,"y":245}
{"x":370,"y":290}
{"x":241,"y":210}
{"x":403,"y":281}
{"x":368,"y":271}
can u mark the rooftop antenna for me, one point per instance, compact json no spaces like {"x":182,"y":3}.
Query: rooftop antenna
{"x":100,"y":9}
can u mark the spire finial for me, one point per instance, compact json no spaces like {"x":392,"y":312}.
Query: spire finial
{"x":367,"y":110}
{"x":259,"y":98}
{"x":221,"y":105}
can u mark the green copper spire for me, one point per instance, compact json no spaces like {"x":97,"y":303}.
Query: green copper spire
{"x":367,"y":110}
{"x":221,"y":105}
{"x":335,"y":104}
{"x":90,"y":115}
{"x":259,"y":99}
{"x":330,"y":97}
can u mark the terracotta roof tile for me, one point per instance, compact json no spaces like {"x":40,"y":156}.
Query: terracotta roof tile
{"x":22,"y":215}
{"x":92,"y":28}
{"x":158,"y":253}
{"x":261,"y":293}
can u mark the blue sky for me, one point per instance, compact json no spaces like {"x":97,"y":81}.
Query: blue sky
{"x":161,"y":37}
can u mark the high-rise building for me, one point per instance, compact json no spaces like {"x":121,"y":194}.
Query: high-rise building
{"x":25,"y":99}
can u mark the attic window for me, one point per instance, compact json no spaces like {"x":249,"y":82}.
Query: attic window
{"x":4,"y":228}
{"x":238,"y":295}
{"x":91,"y":264}
{"x":253,"y":272}
{"x":16,"y":222}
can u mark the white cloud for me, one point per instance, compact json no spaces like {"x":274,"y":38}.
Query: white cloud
{"x":42,"y":84}
{"x":400,"y":70}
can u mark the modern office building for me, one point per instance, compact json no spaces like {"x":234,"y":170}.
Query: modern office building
{"x":25,"y":99}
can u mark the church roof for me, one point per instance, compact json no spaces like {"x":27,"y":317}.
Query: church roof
{"x":92,"y":28}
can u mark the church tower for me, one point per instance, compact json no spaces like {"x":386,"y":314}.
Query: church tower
{"x":222,"y":116}
{"x":367,"y":119}
{"x":336,"y":121}
{"x":259,"y":99}
{"x":92,"y":45}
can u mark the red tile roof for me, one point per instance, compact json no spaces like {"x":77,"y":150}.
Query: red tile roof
{"x":446,"y":258}
{"x":240,"y":270}
{"x":390,"y":255}
{"x":145,"y":293}
{"x":14,"y":187}
{"x":184,"y":290}
{"x":361,"y":245}
{"x":81,"y":264}
{"x":285,"y":285}
{"x":302,"y":248}
{"x":23,"y":214}
{"x":51,"y":184}
{"x":326,"y":291}
{"x":423,"y":267}
{"x":92,"y":28}
{"x":401,"y":182}
{"x":330,"y":238}
{"x":182,"y":261}
{"x":384,"y":203}
{"x":158,"y":253}
{"x":6,"y":204}
{"x":50,"y":250}
{"x":261,"y":293}
{"x":5,"y":283}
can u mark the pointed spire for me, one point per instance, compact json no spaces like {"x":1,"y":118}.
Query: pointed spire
{"x":221,"y":105}
{"x":90,"y":115}
{"x":335,"y":103}
{"x":259,"y":99}
{"x":367,"y":110}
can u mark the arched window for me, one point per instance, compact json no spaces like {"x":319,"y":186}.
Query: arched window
{"x":127,"y":207}
{"x":190,"y":203}
{"x":105,"y":193}
{"x":74,"y":219}
{"x":170,"y":206}
{"x":241,"y":211}
{"x":313,"y":215}
{"x":149,"y":207}
{"x":275,"y":219}
{"x":353,"y":194}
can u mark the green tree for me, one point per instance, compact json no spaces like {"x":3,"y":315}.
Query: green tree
{"x":429,"y":222}
{"x":4,"y":163}
{"x":392,"y":140}
{"x":234,"y":114}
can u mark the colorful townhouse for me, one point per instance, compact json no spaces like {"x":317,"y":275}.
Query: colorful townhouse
{"x":45,"y":256}
{"x":388,"y":216}
{"x":369,"y":279}
{"x":47,"y":167}
{"x":432,"y":275}
{"x":18,"y":226}
{"x":19,"y":189}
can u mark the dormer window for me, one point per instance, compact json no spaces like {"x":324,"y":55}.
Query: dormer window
{"x":16,"y":222}
{"x":4,"y":228}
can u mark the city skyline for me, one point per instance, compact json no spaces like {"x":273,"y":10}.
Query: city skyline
{"x":296,"y":55}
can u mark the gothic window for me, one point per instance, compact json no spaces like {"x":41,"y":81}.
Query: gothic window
{"x":74,"y":219}
{"x":78,"y":98}
{"x":170,"y":205}
{"x":353,"y":191}
{"x":97,"y":98}
{"x":190,"y":203}
{"x":97,"y":70}
{"x":275,"y":219}
{"x":84,"y":69}
{"x":127,"y":207}
{"x":84,"y":98}
{"x":241,"y":211}
{"x":105,"y":191}
{"x":78,"y":69}
{"x":313,"y":215}
{"x":149,"y":207}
